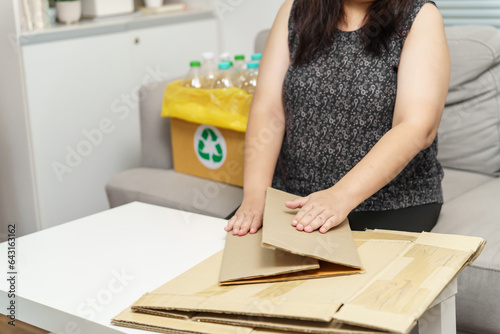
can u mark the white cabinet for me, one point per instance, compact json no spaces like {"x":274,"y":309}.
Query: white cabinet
{"x":82,"y":102}
{"x":167,"y":50}
{"x":82,"y":128}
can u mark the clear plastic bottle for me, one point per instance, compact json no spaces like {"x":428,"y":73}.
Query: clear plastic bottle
{"x":240,"y":67}
{"x":257,"y":57}
{"x":251,"y":77}
{"x":225,"y":56}
{"x":208,"y":70}
{"x":240,"y":64}
{"x":225,"y":77}
{"x":193,"y":78}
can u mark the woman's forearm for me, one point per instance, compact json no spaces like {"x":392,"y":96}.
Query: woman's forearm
{"x":262,"y":145}
{"x":384,"y":162}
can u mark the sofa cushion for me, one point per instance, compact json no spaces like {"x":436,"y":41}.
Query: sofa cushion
{"x":457,"y":182}
{"x":174,"y":190}
{"x":469,"y":134}
{"x":477,"y":213}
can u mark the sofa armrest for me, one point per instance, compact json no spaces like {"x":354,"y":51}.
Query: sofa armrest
{"x":155,"y":130}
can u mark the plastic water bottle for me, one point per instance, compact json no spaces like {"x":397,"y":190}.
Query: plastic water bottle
{"x":239,"y":63}
{"x":251,"y":77}
{"x":257,"y":57}
{"x":240,"y":67}
{"x":224,"y":57}
{"x":193,"y":78}
{"x":208,"y":70}
{"x":225,"y":77}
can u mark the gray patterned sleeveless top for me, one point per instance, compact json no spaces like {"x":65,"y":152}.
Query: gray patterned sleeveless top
{"x":337,"y":107}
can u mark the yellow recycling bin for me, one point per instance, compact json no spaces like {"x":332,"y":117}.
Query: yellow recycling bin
{"x":208,"y":131}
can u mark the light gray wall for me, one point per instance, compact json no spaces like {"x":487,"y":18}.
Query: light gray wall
{"x":241,"y":20}
{"x":17,"y":193}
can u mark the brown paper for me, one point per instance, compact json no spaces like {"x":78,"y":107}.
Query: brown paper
{"x":335,"y":246}
{"x":245,"y":261}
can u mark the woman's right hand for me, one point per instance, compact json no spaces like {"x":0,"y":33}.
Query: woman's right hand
{"x":248,"y":218}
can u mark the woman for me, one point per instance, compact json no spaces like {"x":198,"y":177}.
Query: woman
{"x":346,"y":113}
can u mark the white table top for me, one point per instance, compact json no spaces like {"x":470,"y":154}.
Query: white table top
{"x":75,"y":277}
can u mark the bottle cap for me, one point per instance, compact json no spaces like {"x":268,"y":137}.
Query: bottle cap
{"x":224,"y":56}
{"x":239,"y":57}
{"x":257,"y":56}
{"x":253,"y":64}
{"x":195,"y":63}
{"x":208,"y":55}
{"x":224,"y":65}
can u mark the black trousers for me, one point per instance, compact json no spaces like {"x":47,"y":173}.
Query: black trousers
{"x":413,"y":219}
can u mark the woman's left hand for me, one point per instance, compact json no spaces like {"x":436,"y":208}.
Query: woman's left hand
{"x":320,"y":210}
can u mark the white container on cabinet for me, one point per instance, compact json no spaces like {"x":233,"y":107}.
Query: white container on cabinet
{"x":98,"y":8}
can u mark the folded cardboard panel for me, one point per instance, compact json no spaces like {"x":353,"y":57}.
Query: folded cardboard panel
{"x":245,"y":261}
{"x":404,"y":273}
{"x":335,"y":246}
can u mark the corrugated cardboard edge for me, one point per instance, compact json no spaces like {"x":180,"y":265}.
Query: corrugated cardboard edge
{"x":376,"y":319}
{"x":295,"y":276}
{"x":285,"y":325}
{"x":148,"y":322}
{"x":286,"y":309}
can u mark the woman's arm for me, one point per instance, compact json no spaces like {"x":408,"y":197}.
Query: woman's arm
{"x":423,"y":80}
{"x":265,"y":128}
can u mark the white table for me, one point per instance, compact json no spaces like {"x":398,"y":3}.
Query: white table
{"x":75,"y":277}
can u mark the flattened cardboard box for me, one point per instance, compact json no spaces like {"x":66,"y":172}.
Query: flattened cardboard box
{"x":207,"y":151}
{"x":404,"y":274}
{"x":278,"y":252}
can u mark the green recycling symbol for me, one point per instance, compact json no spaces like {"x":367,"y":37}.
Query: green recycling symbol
{"x":210,"y":146}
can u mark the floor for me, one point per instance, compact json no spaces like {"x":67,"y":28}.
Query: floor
{"x":19,"y":328}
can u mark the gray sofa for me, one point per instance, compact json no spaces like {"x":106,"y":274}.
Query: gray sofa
{"x":469,"y":149}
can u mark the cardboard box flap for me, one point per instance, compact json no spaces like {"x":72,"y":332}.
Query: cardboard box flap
{"x":245,"y":261}
{"x":410,"y":283}
{"x":335,"y":246}
{"x":287,"y":325}
{"x":244,"y":258}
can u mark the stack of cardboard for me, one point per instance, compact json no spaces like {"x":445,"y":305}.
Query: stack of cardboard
{"x":403,"y":273}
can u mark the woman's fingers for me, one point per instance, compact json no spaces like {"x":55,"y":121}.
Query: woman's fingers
{"x":256,"y":224}
{"x":245,"y":225}
{"x":244,"y":222}
{"x":230,"y":224}
{"x":320,"y":210}
{"x":297,"y":203}
{"x":330,"y":223}
{"x":307,"y":215}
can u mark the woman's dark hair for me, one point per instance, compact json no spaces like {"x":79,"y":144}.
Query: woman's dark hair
{"x":316,"y":22}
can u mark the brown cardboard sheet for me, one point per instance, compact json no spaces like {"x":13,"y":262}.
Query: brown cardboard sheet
{"x":335,"y":246}
{"x":404,"y":274}
{"x":245,"y":261}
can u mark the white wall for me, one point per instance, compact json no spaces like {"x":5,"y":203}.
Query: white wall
{"x":241,"y":20}
{"x":17,"y":193}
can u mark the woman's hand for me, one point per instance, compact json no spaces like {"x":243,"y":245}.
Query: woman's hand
{"x":248,"y":218}
{"x":323,"y":209}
